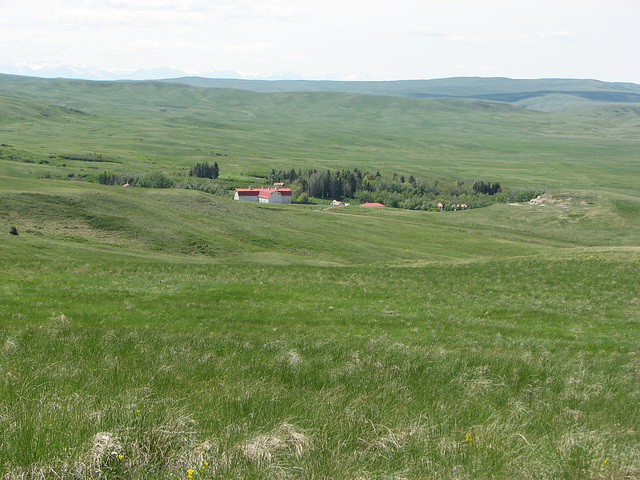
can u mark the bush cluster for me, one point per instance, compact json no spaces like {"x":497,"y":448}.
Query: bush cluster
{"x":204,"y":186}
{"x":117,"y":178}
{"x":88,"y":157}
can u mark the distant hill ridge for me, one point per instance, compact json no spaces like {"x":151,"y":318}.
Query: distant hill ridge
{"x":577,"y":93}
{"x":551,"y":94}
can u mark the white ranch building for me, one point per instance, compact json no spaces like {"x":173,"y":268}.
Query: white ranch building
{"x":263,"y":195}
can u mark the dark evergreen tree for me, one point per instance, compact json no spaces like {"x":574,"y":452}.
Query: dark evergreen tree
{"x":204,"y":170}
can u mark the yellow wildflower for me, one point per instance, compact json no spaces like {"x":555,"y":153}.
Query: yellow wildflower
{"x":468,"y":438}
{"x":190,"y":473}
{"x":606,"y":461}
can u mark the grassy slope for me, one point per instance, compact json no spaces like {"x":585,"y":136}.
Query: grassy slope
{"x":199,"y":224}
{"x":247,"y":341}
{"x":505,"y":367}
{"x":192,"y":223}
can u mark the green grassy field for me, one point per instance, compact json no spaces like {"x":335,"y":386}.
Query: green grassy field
{"x":145,"y":125}
{"x":173,"y":334}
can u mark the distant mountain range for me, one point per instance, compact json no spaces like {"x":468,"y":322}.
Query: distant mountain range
{"x":80,"y":72}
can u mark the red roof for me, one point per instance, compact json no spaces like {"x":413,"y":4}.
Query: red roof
{"x":265,"y":192}
{"x":374,"y":204}
{"x":248,"y":192}
{"x":262,"y":192}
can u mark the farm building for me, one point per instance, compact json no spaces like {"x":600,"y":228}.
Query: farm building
{"x":263,"y":195}
{"x":371,"y":204}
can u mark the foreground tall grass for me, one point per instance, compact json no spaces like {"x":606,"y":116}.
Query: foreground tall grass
{"x":117,"y":366}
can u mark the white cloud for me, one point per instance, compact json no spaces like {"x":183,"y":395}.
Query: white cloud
{"x":560,"y":35}
{"x":462,"y":38}
{"x":428,"y":32}
{"x":250,"y":48}
{"x":441,"y":35}
{"x":282,"y":12}
{"x":292,"y":59}
{"x":145,"y":44}
{"x":542,"y":38}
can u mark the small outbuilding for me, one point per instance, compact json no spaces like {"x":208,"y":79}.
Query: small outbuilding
{"x":371,"y":204}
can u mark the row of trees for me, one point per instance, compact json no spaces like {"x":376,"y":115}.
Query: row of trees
{"x":159,"y":179}
{"x":396,"y":190}
{"x":147,"y":180}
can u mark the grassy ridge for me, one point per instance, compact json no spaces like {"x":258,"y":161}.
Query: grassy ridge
{"x":460,"y":86}
{"x":183,"y":222}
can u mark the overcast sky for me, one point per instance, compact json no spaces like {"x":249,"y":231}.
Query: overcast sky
{"x":342,"y":39}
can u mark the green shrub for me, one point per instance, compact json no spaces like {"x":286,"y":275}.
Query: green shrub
{"x":155,"y":180}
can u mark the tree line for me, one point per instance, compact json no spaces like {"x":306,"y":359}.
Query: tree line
{"x":159,"y":179}
{"x":147,"y":180}
{"x":396,"y":190}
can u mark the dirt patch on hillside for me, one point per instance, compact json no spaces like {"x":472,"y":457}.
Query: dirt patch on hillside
{"x":549,"y":199}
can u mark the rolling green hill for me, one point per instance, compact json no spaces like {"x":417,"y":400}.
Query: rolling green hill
{"x":148,"y":125}
{"x":172,"y":333}
{"x":196,"y":224}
